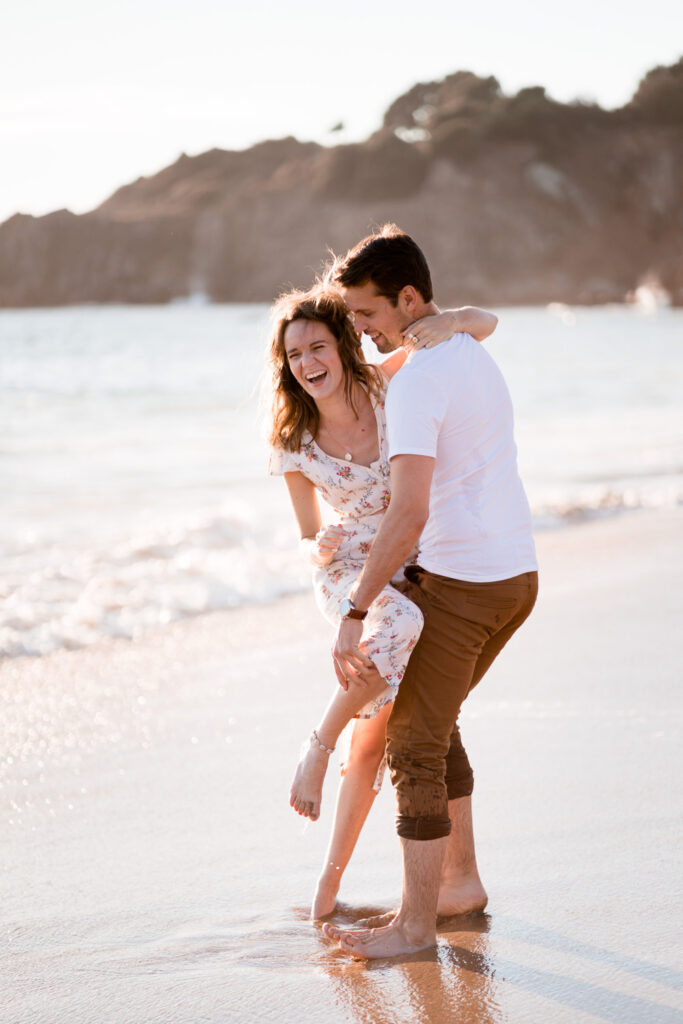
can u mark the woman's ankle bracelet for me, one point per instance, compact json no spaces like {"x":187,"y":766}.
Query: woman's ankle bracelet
{"x":316,"y":742}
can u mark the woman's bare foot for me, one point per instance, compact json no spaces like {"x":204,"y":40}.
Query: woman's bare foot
{"x":325,"y":899}
{"x":307,"y":788}
{"x":395,"y":939}
{"x":464,"y":895}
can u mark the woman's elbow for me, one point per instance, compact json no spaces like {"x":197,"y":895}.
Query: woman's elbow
{"x":491,"y":324}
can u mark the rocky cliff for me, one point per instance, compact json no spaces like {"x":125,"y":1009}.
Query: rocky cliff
{"x":515,"y":199}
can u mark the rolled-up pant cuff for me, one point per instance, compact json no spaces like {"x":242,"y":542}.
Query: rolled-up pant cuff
{"x":457,"y":788}
{"x":422,"y":828}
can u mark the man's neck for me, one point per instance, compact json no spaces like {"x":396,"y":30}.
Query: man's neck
{"x":423,"y":309}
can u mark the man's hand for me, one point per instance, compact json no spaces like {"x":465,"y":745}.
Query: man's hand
{"x":349,"y":661}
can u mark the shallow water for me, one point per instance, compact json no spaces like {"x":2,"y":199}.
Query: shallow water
{"x":134,"y":478}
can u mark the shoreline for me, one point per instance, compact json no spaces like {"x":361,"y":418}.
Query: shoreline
{"x":150,"y":852}
{"x":547,"y":524}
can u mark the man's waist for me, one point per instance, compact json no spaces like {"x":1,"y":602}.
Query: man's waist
{"x":481,"y":570}
{"x":417,"y":569}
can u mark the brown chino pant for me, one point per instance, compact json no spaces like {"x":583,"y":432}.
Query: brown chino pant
{"x":466,"y":625}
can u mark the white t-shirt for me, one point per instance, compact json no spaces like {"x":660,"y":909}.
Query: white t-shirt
{"x":452,"y":404}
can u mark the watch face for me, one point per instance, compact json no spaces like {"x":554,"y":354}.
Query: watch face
{"x":345,"y":607}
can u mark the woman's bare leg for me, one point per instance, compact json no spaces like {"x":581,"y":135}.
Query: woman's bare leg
{"x":307,"y":787}
{"x":354,"y":800}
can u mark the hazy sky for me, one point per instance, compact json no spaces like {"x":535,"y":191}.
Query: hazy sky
{"x":94,"y":95}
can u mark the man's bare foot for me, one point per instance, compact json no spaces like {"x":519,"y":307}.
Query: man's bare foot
{"x":395,"y":939}
{"x":378,"y":921}
{"x":325,"y":899}
{"x":307,"y":788}
{"x":461,"y":896}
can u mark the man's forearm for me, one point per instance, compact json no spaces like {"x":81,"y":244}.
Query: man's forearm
{"x":394,"y":542}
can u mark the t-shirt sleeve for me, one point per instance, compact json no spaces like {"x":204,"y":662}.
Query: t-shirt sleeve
{"x":281,"y":462}
{"x":416,"y":405}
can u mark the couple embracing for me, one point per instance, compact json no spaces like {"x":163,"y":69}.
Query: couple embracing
{"x":427,"y":571}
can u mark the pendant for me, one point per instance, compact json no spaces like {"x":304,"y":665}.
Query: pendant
{"x":348,"y":456}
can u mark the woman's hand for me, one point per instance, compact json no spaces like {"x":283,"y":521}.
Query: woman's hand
{"x":322,"y":548}
{"x":431,"y":330}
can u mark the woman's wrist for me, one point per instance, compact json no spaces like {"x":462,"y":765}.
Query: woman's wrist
{"x":459,"y":320}
{"x":307,"y":548}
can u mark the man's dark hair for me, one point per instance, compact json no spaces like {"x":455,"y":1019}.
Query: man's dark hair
{"x":390,"y":259}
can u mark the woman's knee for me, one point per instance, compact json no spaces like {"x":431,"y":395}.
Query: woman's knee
{"x":367,"y":748}
{"x":365,"y":754}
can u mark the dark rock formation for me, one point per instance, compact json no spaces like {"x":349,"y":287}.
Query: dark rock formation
{"x":515,"y":199}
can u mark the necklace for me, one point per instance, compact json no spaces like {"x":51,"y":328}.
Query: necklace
{"x":347,"y":454}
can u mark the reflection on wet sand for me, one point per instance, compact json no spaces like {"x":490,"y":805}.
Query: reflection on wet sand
{"x":465,"y":977}
{"x":456,"y":980}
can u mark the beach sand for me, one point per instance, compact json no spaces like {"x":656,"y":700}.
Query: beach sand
{"x":152,"y":870}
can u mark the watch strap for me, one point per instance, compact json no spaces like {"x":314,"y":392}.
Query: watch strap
{"x":349,"y":611}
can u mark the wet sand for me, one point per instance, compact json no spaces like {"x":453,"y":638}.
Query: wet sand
{"x":153,"y":872}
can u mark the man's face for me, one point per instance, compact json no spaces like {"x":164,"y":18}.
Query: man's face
{"x":375,"y":316}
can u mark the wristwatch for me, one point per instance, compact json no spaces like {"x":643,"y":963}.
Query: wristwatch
{"x":348,"y":610}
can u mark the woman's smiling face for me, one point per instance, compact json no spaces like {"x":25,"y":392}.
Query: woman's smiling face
{"x":313,"y":358}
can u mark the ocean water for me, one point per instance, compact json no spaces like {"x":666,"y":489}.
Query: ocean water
{"x":134,"y":476}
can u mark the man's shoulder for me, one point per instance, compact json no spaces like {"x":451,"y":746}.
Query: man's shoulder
{"x":429,"y":365}
{"x":432,"y":360}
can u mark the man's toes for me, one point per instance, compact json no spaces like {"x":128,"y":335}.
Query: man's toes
{"x":331,"y":932}
{"x":351,"y":943}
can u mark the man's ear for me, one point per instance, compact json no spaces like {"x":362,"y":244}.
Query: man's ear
{"x":408,"y":300}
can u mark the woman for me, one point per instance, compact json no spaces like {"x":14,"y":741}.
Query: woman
{"x":328,"y":437}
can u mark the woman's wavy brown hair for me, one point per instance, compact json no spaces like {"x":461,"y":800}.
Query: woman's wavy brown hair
{"x":293,"y":412}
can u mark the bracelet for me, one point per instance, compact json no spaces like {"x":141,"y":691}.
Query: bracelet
{"x":315,"y":739}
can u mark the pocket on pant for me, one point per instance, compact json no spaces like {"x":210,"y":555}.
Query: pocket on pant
{"x":413,"y":573}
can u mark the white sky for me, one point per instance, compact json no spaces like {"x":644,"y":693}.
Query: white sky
{"x":92,"y":95}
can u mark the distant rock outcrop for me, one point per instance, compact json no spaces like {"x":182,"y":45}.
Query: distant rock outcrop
{"x":515,"y":199}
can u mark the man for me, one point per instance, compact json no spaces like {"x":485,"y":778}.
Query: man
{"x":456,"y":489}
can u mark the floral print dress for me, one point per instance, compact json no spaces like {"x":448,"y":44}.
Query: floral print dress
{"x":359,"y":496}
